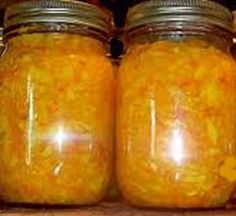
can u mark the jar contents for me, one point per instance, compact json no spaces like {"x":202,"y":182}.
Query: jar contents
{"x":176,"y":133}
{"x":56,"y":119}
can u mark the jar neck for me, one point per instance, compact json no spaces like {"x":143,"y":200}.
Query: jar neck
{"x":32,"y":28}
{"x":178,"y":31}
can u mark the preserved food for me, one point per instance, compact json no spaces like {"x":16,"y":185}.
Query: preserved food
{"x":176,"y":111}
{"x":56,"y":140}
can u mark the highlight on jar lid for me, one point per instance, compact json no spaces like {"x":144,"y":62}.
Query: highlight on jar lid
{"x":1,"y":35}
{"x":1,"y":39}
{"x":56,"y":11}
{"x":196,"y":11}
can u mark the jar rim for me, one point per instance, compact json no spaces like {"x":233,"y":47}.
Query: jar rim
{"x":56,"y":11}
{"x":199,"y":11}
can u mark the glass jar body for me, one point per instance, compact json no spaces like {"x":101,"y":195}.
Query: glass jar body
{"x":57,"y":142}
{"x":175,"y":121}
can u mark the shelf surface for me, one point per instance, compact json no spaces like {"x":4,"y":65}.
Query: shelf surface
{"x":111,"y":209}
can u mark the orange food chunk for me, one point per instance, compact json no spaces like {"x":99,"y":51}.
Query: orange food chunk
{"x":56,"y":119}
{"x":176,"y":124}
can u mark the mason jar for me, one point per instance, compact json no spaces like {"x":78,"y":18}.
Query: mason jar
{"x":176,"y":106}
{"x":56,"y":104}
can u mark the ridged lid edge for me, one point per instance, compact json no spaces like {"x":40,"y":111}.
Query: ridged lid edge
{"x":57,"y":9}
{"x":179,"y":8}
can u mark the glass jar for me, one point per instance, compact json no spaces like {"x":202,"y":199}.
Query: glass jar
{"x":232,"y":201}
{"x":176,"y":106}
{"x":57,"y":109}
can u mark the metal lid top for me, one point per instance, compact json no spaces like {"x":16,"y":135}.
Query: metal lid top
{"x":201,"y":11}
{"x":57,"y":11}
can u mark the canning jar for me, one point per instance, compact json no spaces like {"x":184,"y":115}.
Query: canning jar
{"x":176,"y":106}
{"x":57,"y":110}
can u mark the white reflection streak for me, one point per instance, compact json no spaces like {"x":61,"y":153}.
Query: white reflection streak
{"x":59,"y":137}
{"x":177,"y":146}
{"x":57,"y":170}
{"x":30,"y":101}
{"x":153,"y":126}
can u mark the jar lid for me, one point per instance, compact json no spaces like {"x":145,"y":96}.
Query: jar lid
{"x":199,"y":11}
{"x":56,"y":11}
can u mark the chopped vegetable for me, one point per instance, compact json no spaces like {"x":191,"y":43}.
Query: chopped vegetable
{"x":56,"y":119}
{"x":176,"y":124}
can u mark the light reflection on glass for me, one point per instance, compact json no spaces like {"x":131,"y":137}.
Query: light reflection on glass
{"x":177,"y":146}
{"x":57,"y":170}
{"x":153,"y":126}
{"x":60,"y":137}
{"x":30,"y":129}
